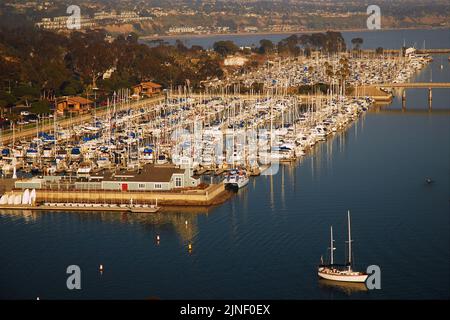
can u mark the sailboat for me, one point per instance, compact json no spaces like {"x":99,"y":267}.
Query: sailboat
{"x":343,"y":273}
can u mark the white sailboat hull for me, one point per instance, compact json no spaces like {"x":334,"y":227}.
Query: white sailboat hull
{"x":345,"y":277}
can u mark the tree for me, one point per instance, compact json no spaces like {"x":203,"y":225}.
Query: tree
{"x":289,"y":45}
{"x":265,"y":46}
{"x":210,"y":69}
{"x":71,"y":87}
{"x":307,"y":52}
{"x":7,"y":99}
{"x":357,"y":42}
{"x":225,"y":48}
{"x":90,"y":56}
{"x":196,"y":48}
{"x":40,"y":107}
{"x":334,"y":42}
{"x":379,"y":50}
{"x":181,"y":46}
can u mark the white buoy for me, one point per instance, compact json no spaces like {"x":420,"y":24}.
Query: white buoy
{"x":157,"y":237}
{"x":37,"y":298}
{"x":185,"y":222}
{"x":101,"y":268}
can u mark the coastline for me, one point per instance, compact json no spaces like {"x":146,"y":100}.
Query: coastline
{"x":262,"y":33}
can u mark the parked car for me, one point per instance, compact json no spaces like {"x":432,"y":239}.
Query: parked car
{"x":31,"y":118}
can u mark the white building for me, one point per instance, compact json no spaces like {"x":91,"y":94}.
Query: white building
{"x":235,"y":61}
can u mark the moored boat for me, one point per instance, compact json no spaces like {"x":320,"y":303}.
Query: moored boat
{"x":236,"y":179}
{"x":336,"y":272}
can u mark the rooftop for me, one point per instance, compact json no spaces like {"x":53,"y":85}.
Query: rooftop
{"x":149,"y":173}
{"x":149,"y":84}
{"x":79,"y":100}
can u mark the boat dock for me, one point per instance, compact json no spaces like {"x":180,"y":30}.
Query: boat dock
{"x":82,"y":207}
{"x":124,"y":201}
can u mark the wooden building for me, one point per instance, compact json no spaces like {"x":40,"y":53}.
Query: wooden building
{"x":150,"y":178}
{"x":146,"y":89}
{"x":73,"y":105}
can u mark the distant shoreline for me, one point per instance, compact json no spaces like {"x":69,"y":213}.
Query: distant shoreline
{"x":211,"y":35}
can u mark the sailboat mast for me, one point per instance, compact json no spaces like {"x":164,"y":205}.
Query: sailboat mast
{"x":349,"y":240}
{"x":331,"y":246}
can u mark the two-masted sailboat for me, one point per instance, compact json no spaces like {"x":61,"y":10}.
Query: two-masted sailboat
{"x":338,"y":272}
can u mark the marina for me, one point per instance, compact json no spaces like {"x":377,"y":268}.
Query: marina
{"x":316,"y":156}
{"x":173,"y":143}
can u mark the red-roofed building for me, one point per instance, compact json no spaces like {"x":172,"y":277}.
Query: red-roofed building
{"x":73,"y":105}
{"x":147,"y":89}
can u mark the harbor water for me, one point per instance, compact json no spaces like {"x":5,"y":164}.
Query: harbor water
{"x":266,"y":242}
{"x":388,"y":39}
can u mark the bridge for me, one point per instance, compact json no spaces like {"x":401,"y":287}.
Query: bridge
{"x":415,"y":85}
{"x":421,"y":111}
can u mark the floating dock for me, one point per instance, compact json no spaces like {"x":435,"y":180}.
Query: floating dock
{"x":81,"y":207}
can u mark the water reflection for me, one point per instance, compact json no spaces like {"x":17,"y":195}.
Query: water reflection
{"x":184,"y":223}
{"x":27,"y":216}
{"x":348,"y":288}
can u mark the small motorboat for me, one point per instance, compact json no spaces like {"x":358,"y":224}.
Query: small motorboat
{"x":236,"y":179}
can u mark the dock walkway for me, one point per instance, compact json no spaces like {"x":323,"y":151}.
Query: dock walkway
{"x":214,"y":194}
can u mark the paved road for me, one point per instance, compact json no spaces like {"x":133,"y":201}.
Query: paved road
{"x":67,"y":122}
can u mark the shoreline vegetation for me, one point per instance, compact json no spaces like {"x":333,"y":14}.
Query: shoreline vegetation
{"x":268,"y":33}
{"x":37,"y":66}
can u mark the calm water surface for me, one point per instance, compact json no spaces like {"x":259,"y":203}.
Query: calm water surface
{"x":390,"y":39}
{"x":266,"y":242}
